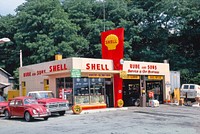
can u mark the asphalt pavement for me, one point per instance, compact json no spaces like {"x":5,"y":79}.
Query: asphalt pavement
{"x":165,"y":119}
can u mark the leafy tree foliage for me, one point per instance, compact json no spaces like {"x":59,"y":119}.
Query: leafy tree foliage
{"x":8,"y":55}
{"x":46,"y":30}
{"x":155,"y":30}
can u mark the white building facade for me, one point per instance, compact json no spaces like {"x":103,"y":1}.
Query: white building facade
{"x":89,"y":81}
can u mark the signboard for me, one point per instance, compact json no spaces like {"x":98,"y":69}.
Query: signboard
{"x":155,"y":77}
{"x":77,"y":109}
{"x":145,"y":68}
{"x":75,"y":73}
{"x":131,"y":77}
{"x":120,"y":103}
{"x":99,"y":75}
{"x":123,"y":74}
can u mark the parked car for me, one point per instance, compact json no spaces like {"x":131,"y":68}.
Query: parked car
{"x":3,"y":104}
{"x":26,"y":107}
{"x":190,"y":91}
{"x":55,"y":105}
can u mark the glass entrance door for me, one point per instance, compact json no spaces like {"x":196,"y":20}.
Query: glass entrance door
{"x":64,"y":88}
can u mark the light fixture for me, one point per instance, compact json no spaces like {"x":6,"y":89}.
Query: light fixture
{"x":3,"y":40}
{"x":121,"y":61}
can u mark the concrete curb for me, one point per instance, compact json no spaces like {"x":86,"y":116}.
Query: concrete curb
{"x":102,"y":110}
{"x":98,"y":110}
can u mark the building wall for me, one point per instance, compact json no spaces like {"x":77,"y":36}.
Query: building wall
{"x":34,"y":75}
{"x":4,"y":77}
{"x":91,"y":64}
{"x":150,"y":68}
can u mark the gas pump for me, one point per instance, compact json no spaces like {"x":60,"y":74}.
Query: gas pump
{"x":61,"y":93}
{"x":66,"y":94}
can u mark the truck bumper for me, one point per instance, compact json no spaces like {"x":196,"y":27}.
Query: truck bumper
{"x":53,"y":110}
{"x":1,"y":111}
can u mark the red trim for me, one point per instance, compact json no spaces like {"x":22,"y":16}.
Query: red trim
{"x":90,"y":107}
{"x":116,"y":54}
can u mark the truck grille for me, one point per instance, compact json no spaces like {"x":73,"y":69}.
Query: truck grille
{"x":57,"y":106}
{"x":53,"y":105}
{"x":62,"y":105}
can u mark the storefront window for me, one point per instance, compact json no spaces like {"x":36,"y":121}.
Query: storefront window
{"x":97,"y":90}
{"x":81,"y":86}
{"x":81,"y":99}
{"x":89,"y":90}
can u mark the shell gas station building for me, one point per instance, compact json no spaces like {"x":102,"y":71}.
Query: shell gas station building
{"x":99,"y":83}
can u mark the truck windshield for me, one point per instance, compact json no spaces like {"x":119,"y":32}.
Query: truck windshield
{"x":192,"y":86}
{"x":186,"y":87}
{"x":45,"y":95}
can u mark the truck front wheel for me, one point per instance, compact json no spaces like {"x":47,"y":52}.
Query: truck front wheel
{"x":61,"y":113}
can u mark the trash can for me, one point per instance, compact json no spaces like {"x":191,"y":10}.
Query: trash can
{"x":143,"y":101}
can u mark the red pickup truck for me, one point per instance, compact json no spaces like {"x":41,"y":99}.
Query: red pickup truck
{"x":55,"y":105}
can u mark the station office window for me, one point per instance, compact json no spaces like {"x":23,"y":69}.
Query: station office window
{"x":67,"y":85}
{"x":89,"y":90}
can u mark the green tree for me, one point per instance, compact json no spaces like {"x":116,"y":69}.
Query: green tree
{"x":184,"y":18}
{"x":8,"y":53}
{"x":93,"y":17}
{"x":155,"y":30}
{"x":44,"y":30}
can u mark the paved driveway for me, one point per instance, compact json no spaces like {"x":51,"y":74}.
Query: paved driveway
{"x":133,"y":120}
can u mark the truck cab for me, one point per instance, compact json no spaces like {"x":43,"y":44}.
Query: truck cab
{"x":55,"y":105}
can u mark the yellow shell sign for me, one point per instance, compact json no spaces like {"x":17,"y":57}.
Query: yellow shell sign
{"x":120,"y":103}
{"x":111,"y":41}
{"x":77,"y":109}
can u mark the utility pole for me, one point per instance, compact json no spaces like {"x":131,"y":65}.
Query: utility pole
{"x":104,"y":16}
{"x":20,"y":58}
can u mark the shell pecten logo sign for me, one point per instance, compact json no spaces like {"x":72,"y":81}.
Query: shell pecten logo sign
{"x":111,"y":41}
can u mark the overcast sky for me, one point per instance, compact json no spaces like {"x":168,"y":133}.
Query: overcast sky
{"x":8,"y":6}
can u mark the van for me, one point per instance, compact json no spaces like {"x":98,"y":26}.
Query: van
{"x":190,"y":91}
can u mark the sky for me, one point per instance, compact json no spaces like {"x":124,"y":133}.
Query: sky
{"x":8,"y":6}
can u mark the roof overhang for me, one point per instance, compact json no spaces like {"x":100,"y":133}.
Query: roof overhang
{"x":101,"y":71}
{"x":83,"y":71}
{"x":4,"y":85}
{"x":56,"y":73}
